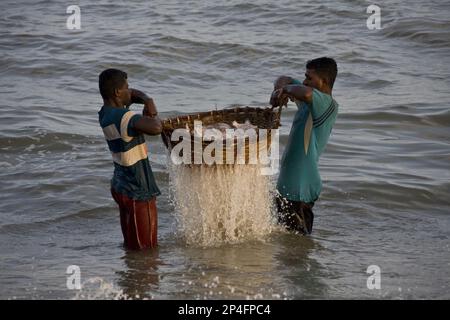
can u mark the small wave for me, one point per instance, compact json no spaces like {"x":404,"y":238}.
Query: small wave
{"x":21,"y":228}
{"x":237,"y":8}
{"x":398,"y":114}
{"x":377,"y":84}
{"x":354,"y":57}
{"x":359,"y":81}
{"x":206,"y":48}
{"x":37,"y":140}
{"x":420,"y":30}
{"x":397,"y":194}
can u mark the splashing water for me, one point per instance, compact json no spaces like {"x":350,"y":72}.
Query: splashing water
{"x":221,"y":204}
{"x":97,"y":288}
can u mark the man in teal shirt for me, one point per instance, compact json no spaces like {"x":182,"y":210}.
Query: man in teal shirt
{"x":299,"y":184}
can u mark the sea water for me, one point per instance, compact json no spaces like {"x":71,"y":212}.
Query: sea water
{"x":385,"y":169}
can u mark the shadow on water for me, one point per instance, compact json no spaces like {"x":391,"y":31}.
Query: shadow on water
{"x":297,"y":268}
{"x":140,"y":276}
{"x":238,"y":271}
{"x":279,"y":267}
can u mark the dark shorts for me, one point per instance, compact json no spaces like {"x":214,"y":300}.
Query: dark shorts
{"x":139,"y":221}
{"x":295,"y":215}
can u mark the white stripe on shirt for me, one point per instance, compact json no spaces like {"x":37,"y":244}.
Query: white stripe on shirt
{"x":130,"y":157}
{"x":124,"y":126}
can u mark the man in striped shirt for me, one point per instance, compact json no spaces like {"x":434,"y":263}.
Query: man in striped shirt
{"x":299,"y":184}
{"x":133,"y":185}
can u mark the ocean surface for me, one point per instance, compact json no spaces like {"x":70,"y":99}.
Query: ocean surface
{"x":385,"y":171}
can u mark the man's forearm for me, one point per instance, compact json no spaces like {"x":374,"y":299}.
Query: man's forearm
{"x":298,"y":92}
{"x":138,"y":96}
{"x":282,"y":81}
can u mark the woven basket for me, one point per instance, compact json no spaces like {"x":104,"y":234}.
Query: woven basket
{"x":262,"y":118}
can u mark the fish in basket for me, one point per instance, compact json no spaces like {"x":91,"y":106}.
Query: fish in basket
{"x":228,"y":136}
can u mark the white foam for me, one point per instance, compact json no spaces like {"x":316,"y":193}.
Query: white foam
{"x":97,"y":288}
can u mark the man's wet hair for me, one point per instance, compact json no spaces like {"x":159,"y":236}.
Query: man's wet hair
{"x":326,"y":68}
{"x":109,"y":80}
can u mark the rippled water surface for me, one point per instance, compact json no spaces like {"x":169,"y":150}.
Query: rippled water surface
{"x":385,"y":170}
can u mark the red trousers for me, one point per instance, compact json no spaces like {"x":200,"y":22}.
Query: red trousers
{"x":139,"y":221}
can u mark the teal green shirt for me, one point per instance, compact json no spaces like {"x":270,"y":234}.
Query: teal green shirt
{"x":299,"y":178}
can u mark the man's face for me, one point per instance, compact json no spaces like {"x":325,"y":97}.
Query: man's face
{"x":313,"y":80}
{"x":124,"y":94}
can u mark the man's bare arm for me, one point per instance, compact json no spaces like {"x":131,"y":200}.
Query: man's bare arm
{"x":137,"y":96}
{"x":282,"y":81}
{"x":149,"y":125}
{"x":293,"y":92}
{"x":298,"y":92}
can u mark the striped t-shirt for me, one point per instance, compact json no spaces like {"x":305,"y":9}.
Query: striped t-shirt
{"x":133,"y":175}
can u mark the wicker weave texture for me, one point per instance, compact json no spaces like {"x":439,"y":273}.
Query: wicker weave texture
{"x":262,"y":118}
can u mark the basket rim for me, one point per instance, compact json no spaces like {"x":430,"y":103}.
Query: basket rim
{"x":178,"y":119}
